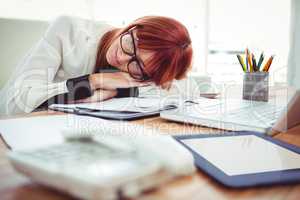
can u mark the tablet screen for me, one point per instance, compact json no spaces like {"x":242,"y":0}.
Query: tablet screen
{"x":247,"y":154}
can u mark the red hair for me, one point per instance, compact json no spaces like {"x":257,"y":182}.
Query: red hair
{"x":169,"y":41}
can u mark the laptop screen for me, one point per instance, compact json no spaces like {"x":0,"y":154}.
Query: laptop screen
{"x":247,"y":154}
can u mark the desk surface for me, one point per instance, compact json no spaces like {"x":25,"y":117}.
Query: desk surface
{"x":198,"y":186}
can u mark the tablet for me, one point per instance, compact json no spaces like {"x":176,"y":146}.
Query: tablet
{"x":243,"y":159}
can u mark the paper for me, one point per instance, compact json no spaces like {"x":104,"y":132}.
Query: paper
{"x":133,"y":104}
{"x":237,"y":155}
{"x":35,"y":132}
{"x":32,"y":132}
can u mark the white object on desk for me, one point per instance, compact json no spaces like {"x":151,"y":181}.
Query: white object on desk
{"x":100,"y":159}
{"x":32,"y":132}
{"x":38,"y":132}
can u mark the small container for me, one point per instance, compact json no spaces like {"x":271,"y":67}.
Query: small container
{"x":256,"y":86}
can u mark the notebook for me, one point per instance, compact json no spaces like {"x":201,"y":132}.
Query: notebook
{"x":128,"y":108}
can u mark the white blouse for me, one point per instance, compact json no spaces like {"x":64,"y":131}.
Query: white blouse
{"x":67,"y":50}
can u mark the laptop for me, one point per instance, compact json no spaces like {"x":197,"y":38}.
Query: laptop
{"x":276,"y":115}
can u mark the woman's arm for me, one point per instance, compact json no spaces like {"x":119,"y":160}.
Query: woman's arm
{"x":98,"y":95}
{"x":112,"y":81}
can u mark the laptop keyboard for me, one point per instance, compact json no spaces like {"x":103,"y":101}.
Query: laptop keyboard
{"x":236,"y":111}
{"x":269,"y":113}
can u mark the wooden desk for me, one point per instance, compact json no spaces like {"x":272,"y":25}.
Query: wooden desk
{"x":198,"y":186}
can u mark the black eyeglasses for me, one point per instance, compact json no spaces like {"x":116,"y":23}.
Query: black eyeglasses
{"x":135,"y":66}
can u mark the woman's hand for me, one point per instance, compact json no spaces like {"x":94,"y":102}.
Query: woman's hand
{"x":112,"y":81}
{"x":99,"y":95}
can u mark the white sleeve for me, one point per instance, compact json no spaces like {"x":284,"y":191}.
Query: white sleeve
{"x":32,"y":82}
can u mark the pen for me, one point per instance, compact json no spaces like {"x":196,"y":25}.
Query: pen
{"x":268,"y":64}
{"x":241,"y":62}
{"x":250,"y":62}
{"x":254,"y":62}
{"x":261,"y":59}
{"x":246,"y":58}
{"x":80,"y":110}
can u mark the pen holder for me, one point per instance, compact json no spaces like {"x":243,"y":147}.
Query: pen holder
{"x":256,"y":86}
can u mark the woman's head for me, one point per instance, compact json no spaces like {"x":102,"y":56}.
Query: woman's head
{"x":156,"y":48}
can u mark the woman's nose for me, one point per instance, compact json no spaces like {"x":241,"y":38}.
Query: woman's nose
{"x":124,"y":58}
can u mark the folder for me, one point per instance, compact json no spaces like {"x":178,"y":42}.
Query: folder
{"x":129,"y":108}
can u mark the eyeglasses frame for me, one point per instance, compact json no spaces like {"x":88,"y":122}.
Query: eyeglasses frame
{"x":134,"y":57}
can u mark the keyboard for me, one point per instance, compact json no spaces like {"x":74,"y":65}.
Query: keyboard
{"x":89,"y":158}
{"x":75,"y":151}
{"x":266,"y":113}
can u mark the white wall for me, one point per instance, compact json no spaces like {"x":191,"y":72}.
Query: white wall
{"x":17,"y":37}
{"x":294,"y":56}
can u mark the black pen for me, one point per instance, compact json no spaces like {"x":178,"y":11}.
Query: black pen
{"x":254,"y":63}
{"x":80,"y":110}
{"x":261,"y":59}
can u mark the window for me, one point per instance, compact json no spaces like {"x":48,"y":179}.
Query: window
{"x":260,"y":25}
